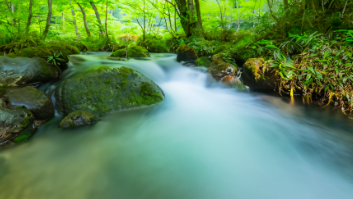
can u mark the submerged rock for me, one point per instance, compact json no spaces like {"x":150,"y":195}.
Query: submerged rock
{"x":219,"y":69}
{"x":107,"y":89}
{"x":22,"y":70}
{"x":255,"y":78}
{"x":186,"y":53}
{"x":132,"y":51}
{"x":33,"y":99}
{"x":78,"y":118}
{"x":13,"y":122}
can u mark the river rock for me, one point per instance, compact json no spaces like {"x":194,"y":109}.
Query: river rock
{"x":106,"y":89}
{"x":23,"y":70}
{"x":13,"y":122}
{"x":219,"y":69}
{"x":232,"y":82}
{"x":78,"y":118}
{"x":33,"y":99}
{"x":132,"y":51}
{"x":186,"y":53}
{"x":255,"y":79}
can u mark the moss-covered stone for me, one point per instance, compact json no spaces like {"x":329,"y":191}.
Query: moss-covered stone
{"x":203,"y":61}
{"x":255,"y":78}
{"x":186,"y":53}
{"x":78,"y":118}
{"x":219,"y":69}
{"x":22,"y":70}
{"x":232,"y":82}
{"x":21,"y":138}
{"x":33,"y":99}
{"x":13,"y":122}
{"x":107,"y":89}
{"x":132,"y":51}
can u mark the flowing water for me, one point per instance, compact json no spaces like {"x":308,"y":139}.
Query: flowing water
{"x":201,"y":143}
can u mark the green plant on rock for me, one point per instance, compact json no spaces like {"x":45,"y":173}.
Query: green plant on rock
{"x":56,"y":58}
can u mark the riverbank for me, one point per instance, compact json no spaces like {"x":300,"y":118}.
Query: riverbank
{"x":214,"y":140}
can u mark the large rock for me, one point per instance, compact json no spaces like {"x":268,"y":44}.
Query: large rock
{"x":219,"y":69}
{"x":22,"y":70}
{"x":186,"y":53}
{"x":254,"y":77}
{"x":33,"y":99}
{"x":13,"y":122}
{"x":132,"y":51}
{"x":78,"y":118}
{"x":106,"y":89}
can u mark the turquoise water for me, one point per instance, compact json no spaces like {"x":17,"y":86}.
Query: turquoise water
{"x":201,"y":143}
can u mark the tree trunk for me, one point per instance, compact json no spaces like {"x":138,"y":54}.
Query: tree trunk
{"x":11,"y":8}
{"x":175,"y":20}
{"x":98,"y":19}
{"x":198,"y":13}
{"x":274,"y":17}
{"x":286,"y":5}
{"x":106,"y":19}
{"x":184,"y":16}
{"x":220,"y":10}
{"x":29,"y":21}
{"x":63,"y":19}
{"x":84,"y":19}
{"x":50,"y":7}
{"x":73,"y":15}
{"x":312,"y":3}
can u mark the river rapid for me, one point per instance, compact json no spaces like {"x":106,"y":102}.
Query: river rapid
{"x":202,"y":142}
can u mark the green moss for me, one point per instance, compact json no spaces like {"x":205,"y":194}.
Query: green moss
{"x":149,"y":94}
{"x":203,"y":61}
{"x":78,"y":118}
{"x":102,"y":68}
{"x":186,"y":53}
{"x":3,"y":89}
{"x":27,"y":52}
{"x":21,"y":138}
{"x":113,"y":89}
{"x":28,"y":118}
{"x":12,"y":55}
{"x":133,"y":51}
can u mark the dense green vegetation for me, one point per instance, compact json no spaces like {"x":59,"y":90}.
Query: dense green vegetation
{"x":306,"y":43}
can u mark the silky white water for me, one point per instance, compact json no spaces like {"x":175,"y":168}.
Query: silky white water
{"x":201,"y":143}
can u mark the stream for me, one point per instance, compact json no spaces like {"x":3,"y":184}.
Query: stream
{"x":202,"y":142}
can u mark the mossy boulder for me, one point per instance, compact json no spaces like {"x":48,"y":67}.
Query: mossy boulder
{"x":44,"y":51}
{"x":219,"y":69}
{"x":33,"y":99}
{"x":132,"y":51}
{"x":186,"y":53}
{"x":106,"y":89}
{"x":22,"y":70}
{"x":254,"y":77}
{"x":13,"y":122}
{"x":78,"y":118}
{"x":232,"y":82}
{"x":203,"y":61}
